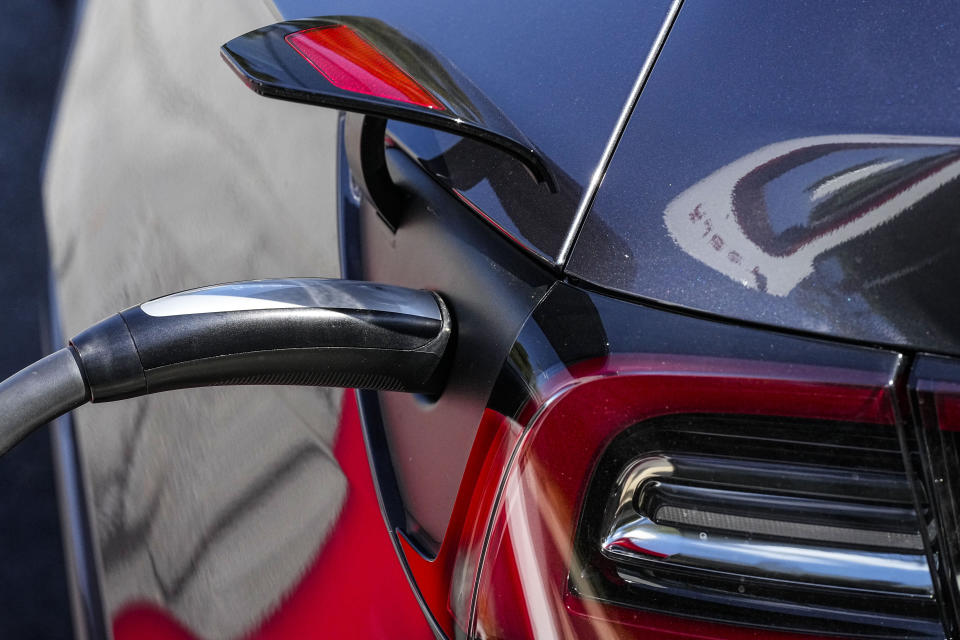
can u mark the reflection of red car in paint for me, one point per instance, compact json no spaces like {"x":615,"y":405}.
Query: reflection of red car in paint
{"x":336,"y":597}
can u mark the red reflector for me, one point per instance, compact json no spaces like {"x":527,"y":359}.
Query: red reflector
{"x":351,"y":63}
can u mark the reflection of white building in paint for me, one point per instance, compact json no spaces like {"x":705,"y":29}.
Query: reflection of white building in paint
{"x":763,"y":219}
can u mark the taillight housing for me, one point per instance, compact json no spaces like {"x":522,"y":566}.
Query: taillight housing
{"x":934,"y":390}
{"x":677,"y":477}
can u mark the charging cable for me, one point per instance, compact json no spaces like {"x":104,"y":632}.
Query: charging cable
{"x":310,"y":331}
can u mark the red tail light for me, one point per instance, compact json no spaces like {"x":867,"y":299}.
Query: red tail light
{"x":654,"y":475}
{"x":747,"y":535}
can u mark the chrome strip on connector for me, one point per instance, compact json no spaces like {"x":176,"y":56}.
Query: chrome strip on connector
{"x":293,"y":293}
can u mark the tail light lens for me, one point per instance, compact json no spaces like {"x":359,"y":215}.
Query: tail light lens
{"x":675,"y":477}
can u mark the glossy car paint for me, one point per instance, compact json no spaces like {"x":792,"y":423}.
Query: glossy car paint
{"x":455,"y":252}
{"x":923,"y":164}
{"x":565,"y":330}
{"x":794,"y":168}
{"x":563,"y":73}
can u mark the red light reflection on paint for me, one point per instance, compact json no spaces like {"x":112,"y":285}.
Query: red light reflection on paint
{"x":353,"y":64}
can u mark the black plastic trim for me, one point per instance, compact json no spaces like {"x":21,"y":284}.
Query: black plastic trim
{"x":271,"y":67}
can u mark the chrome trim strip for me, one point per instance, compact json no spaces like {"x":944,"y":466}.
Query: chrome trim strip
{"x":591,"y":192}
{"x":745,"y":546}
{"x":181,"y":305}
{"x":644,"y":543}
{"x":293,"y":293}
